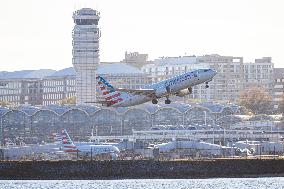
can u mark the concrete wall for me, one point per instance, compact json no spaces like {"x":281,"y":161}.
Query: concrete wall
{"x":140,"y":169}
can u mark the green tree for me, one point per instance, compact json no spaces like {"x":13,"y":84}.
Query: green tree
{"x":68,"y":100}
{"x":256,"y":100}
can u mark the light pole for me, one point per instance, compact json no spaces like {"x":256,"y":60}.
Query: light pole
{"x":199,"y":93}
{"x":224,"y":138}
{"x":1,"y":134}
{"x":213,"y":136}
{"x":121,"y":125}
{"x":205,"y":117}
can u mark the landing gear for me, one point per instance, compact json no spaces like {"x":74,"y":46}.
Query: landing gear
{"x":155,"y":101}
{"x":190,"y":90}
{"x":167,"y":101}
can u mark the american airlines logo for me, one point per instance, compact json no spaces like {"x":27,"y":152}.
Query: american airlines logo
{"x":108,"y":91}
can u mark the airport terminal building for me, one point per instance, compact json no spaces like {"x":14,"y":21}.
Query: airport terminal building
{"x":199,"y":121}
{"x":34,"y":124}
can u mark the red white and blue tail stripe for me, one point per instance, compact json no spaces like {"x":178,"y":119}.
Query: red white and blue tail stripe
{"x":57,"y":137}
{"x":111,"y":96}
{"x":68,"y":145}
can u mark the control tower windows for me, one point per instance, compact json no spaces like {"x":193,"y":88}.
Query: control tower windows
{"x":86,"y":21}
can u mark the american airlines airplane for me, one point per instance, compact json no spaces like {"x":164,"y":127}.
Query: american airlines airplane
{"x":84,"y":149}
{"x":179,"y":85}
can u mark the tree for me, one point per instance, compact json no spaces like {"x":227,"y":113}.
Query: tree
{"x":5,"y":103}
{"x":257,"y":100}
{"x":68,"y":100}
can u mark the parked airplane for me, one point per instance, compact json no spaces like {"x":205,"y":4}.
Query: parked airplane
{"x":84,"y":149}
{"x":179,"y":85}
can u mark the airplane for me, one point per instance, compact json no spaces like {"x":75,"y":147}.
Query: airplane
{"x":84,"y":149}
{"x":179,"y":85}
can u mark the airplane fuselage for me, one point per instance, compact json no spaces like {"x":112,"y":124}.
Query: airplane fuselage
{"x":93,"y":149}
{"x":168,"y":87}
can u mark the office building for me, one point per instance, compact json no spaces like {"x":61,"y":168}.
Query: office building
{"x":278,"y":89}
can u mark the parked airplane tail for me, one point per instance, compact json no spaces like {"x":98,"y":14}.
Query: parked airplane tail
{"x":109,"y":93}
{"x":68,"y":145}
{"x":57,"y":137}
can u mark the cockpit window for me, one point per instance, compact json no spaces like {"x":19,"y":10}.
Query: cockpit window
{"x":206,"y":70}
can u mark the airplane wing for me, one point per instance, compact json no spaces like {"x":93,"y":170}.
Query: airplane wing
{"x":147,"y":92}
{"x":103,"y":102}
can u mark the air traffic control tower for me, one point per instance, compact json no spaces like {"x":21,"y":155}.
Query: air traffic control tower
{"x":86,"y":35}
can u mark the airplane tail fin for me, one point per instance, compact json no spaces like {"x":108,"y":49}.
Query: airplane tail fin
{"x":68,"y":145}
{"x":108,"y":91}
{"x":57,"y":137}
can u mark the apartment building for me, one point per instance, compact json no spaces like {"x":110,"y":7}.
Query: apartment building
{"x":278,"y":88}
{"x":22,"y":91}
{"x":58,"y":88}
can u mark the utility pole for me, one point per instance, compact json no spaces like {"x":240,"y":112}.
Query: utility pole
{"x":1,"y":132}
{"x":205,"y":118}
{"x":260,"y":150}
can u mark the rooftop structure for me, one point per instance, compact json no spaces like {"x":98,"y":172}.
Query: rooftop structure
{"x":136,"y":59}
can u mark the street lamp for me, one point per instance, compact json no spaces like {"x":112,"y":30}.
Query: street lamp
{"x":1,"y":130}
{"x":205,"y":117}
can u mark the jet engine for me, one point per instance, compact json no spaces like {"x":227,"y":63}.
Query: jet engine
{"x":184,"y":92}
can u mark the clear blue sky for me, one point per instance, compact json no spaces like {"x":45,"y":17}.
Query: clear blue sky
{"x":37,"y":34}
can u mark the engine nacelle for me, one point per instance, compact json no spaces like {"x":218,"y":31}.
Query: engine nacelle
{"x":160,"y":92}
{"x":184,"y":92}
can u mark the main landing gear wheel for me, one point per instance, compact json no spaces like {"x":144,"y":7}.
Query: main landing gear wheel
{"x":167,"y":101}
{"x":206,"y":86}
{"x":155,"y":101}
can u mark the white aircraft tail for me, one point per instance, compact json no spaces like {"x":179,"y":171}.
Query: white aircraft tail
{"x":68,"y":145}
{"x":111,"y":96}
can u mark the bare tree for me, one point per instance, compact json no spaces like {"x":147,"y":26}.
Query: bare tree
{"x":5,"y":103}
{"x":257,"y":100}
{"x":68,"y":100}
